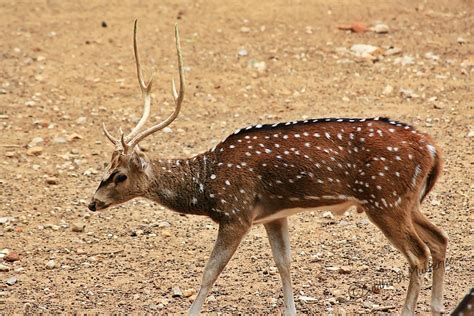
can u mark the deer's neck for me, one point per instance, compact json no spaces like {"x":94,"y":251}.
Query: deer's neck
{"x":179,"y":184}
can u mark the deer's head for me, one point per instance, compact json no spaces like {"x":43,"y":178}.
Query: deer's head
{"x":128,"y":174}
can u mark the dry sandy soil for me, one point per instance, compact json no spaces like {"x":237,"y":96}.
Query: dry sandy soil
{"x":63,"y":72}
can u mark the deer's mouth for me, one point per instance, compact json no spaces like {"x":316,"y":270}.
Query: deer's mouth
{"x":96,"y":205}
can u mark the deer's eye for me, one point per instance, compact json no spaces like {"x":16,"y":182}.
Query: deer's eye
{"x":120,"y":178}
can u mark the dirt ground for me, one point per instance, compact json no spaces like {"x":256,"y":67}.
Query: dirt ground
{"x":66,"y":66}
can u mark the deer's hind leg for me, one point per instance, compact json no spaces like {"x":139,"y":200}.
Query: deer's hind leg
{"x":398,"y":227}
{"x":437,"y":242}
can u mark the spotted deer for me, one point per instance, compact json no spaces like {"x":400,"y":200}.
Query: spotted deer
{"x":264,"y":173}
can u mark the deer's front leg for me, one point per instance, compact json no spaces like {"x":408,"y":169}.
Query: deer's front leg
{"x":280,"y":243}
{"x":228,"y":239}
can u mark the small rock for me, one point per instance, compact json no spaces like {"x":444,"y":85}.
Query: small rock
{"x":166,"y":233}
{"x":73,"y":137}
{"x":408,"y":93}
{"x":432,"y":56}
{"x":163,"y":224}
{"x":167,"y":130}
{"x":381,"y":28}
{"x":471,"y":133}
{"x":189,"y":292}
{"x":59,"y":140}
{"x":344,"y":270}
{"x":12,"y":257}
{"x":36,"y":141}
{"x":11,"y":281}
{"x":332,"y":268}
{"x":4,"y":268}
{"x":103,"y":24}
{"x":30,"y":103}
{"x":392,"y":51}
{"x":52,"y":180}
{"x":81,"y":120}
{"x":308,"y":299}
{"x":327,"y":214}
{"x":211,"y":298}
{"x":244,"y":29}
{"x":356,"y":27}
{"x":243,"y":52}
{"x":78,"y":227}
{"x":177,"y":292}
{"x":461,"y":40}
{"x":404,"y":60}
{"x":5,"y":220}
{"x":260,"y":66}
{"x":363,"y":49}
{"x":50,"y":264}
{"x":387,"y":90}
{"x":34,"y":151}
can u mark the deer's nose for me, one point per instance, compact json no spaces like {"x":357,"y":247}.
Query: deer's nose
{"x":92,"y":206}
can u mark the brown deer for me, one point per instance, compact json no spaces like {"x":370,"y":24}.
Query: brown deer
{"x":264,"y":173}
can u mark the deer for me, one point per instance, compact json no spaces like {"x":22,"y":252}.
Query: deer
{"x":264,"y":173}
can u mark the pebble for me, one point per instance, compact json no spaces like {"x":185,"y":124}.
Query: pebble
{"x":381,"y":28}
{"x":6,"y":220}
{"x":4,"y":268}
{"x":344,"y":270}
{"x":12,"y":257}
{"x":243,"y":52}
{"x":245,"y":29}
{"x":471,"y":133}
{"x":81,"y":120}
{"x":327,"y":214}
{"x":392,"y":51}
{"x":167,"y":130}
{"x":52,"y":180}
{"x":260,"y":66}
{"x":59,"y":140}
{"x":308,"y":299}
{"x":78,"y":227}
{"x":404,"y":60}
{"x":211,"y":298}
{"x":35,"y":151}
{"x":408,"y":93}
{"x":11,"y":281}
{"x":356,"y":27}
{"x":363,"y":49}
{"x":51,"y":264}
{"x":36,"y":141}
{"x":461,"y":40}
{"x":176,"y":292}
{"x":73,"y":137}
{"x":388,"y":90}
{"x":189,"y":292}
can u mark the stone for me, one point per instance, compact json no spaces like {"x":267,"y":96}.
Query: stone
{"x":393,"y":51}
{"x":344,"y":270}
{"x":52,"y":180}
{"x":189,"y":292}
{"x":471,"y":133}
{"x":176,"y":292}
{"x":328,"y":215}
{"x":244,"y":29}
{"x":260,"y":66}
{"x":308,"y":299}
{"x":167,"y":130}
{"x":50,"y":264}
{"x":211,"y":298}
{"x":78,"y":227}
{"x":4,"y":268}
{"x":11,"y":281}
{"x":81,"y":120}
{"x":36,"y":141}
{"x":6,"y":220}
{"x":12,"y":257}
{"x":356,"y":27}
{"x":73,"y":137}
{"x":243,"y":52}
{"x":35,"y":151}
{"x":404,"y":60}
{"x":59,"y":140}
{"x":388,"y":90}
{"x":381,"y":28}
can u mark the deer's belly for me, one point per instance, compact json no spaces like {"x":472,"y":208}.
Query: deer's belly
{"x":264,"y":216}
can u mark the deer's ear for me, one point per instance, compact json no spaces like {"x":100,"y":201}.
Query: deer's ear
{"x":140,"y":161}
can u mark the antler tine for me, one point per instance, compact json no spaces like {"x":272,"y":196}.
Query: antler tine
{"x":145,"y":88}
{"x":177,"y":96}
{"x":109,"y":136}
